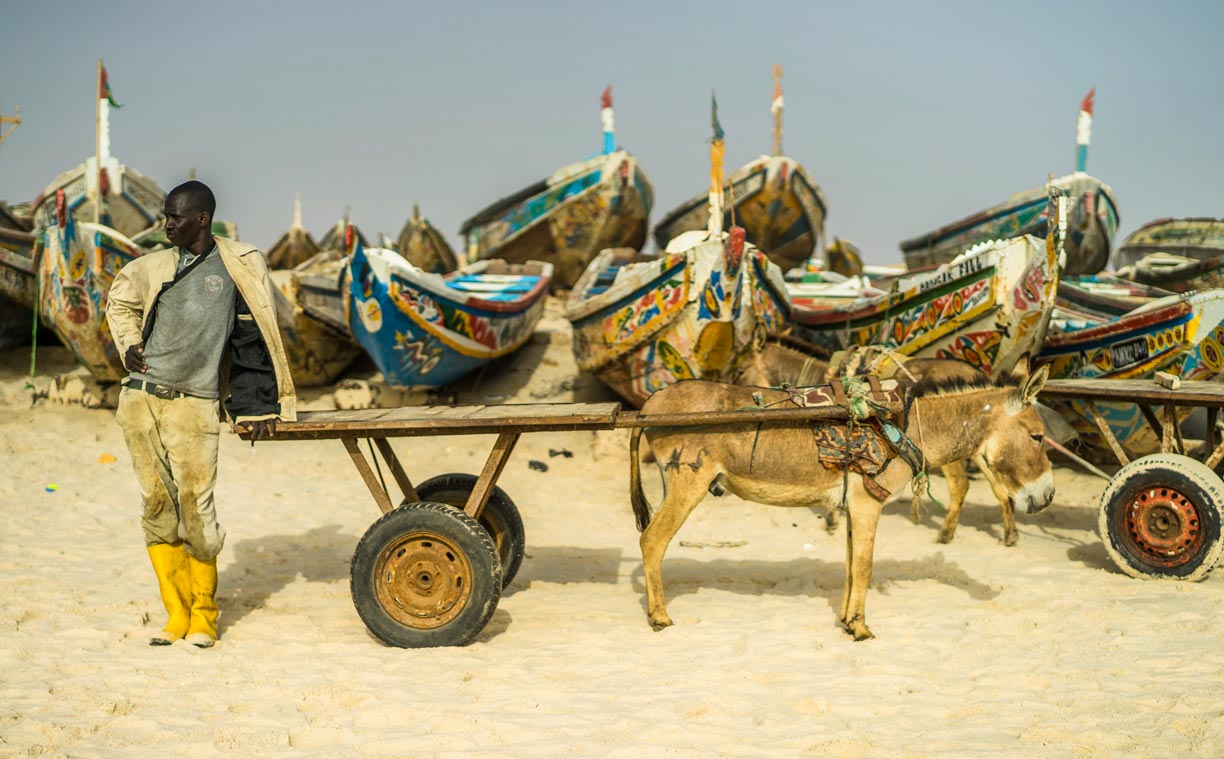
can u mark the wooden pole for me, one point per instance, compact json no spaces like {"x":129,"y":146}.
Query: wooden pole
{"x":15,"y":119}
{"x":776,"y":108}
{"x":98,"y":147}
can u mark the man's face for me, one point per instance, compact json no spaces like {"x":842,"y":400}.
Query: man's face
{"x":183,"y":224}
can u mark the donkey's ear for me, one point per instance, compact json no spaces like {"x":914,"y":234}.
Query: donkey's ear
{"x":1032,"y":386}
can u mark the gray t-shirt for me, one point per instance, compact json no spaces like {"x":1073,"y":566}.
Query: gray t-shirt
{"x":193,"y":326}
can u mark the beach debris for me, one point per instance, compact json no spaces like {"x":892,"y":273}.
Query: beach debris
{"x":716,"y":544}
{"x":354,"y":394}
{"x":555,"y":452}
{"x":51,"y":488}
{"x":1166,"y":380}
{"x":537,"y":466}
{"x":107,"y":458}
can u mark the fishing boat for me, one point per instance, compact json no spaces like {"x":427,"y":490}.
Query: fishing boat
{"x":426,"y":330}
{"x":18,"y":278}
{"x":295,"y":246}
{"x":1092,"y":219}
{"x":423,"y":246}
{"x":313,"y":325}
{"x":1101,"y":297}
{"x":1181,"y":334}
{"x":773,"y":198}
{"x":76,"y":268}
{"x":566,"y":219}
{"x":699,"y":310}
{"x":1201,"y":239}
{"x":338,"y":233}
{"x":989,"y":307}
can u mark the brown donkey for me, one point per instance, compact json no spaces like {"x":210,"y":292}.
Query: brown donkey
{"x":777,"y":463}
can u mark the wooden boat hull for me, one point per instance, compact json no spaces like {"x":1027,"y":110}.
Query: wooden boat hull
{"x":1182,"y":335}
{"x":603,"y":202}
{"x":292,"y":248}
{"x":1199,"y":239}
{"x":1092,"y":224}
{"x":133,"y":202}
{"x":18,"y":285}
{"x":76,"y":268}
{"x":424,"y":246}
{"x":318,"y":353}
{"x":692,"y":314}
{"x":423,"y":330}
{"x":776,"y":202}
{"x":989,"y":308}
{"x":1100,"y":297}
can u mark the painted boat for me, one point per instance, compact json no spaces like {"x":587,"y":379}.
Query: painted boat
{"x":295,"y":246}
{"x":131,"y":201}
{"x":774,"y":199}
{"x":313,"y":325}
{"x":1092,"y":223}
{"x":76,"y":268}
{"x":1092,"y":218}
{"x":424,"y":246}
{"x":989,"y":307}
{"x":1179,"y":334}
{"x":18,"y":278}
{"x":1198,"y":239}
{"x":426,"y":330}
{"x":600,"y":202}
{"x":336,"y":235}
{"x":697,"y":311}
{"x":1101,"y":297}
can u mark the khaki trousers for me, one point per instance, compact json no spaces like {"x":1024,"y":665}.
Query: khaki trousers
{"x":173,"y":444}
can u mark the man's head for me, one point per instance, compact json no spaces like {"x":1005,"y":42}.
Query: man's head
{"x":189,"y":211}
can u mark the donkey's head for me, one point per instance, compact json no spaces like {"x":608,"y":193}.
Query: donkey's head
{"x":1014,"y":447}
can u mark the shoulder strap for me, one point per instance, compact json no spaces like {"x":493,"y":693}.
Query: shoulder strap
{"x":148,"y":327}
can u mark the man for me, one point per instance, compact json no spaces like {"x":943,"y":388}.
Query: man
{"x":195,"y":325}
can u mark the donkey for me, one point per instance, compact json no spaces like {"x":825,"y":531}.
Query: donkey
{"x":778,"y":364}
{"x":777,"y":463}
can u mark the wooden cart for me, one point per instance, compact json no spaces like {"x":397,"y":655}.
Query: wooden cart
{"x":1160,"y":514}
{"x":430,"y":571}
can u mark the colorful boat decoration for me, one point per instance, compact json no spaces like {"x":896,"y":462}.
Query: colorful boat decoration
{"x":313,"y":324}
{"x":989,"y":307}
{"x":566,"y":219}
{"x":1101,"y":297}
{"x":18,"y":278}
{"x":1182,"y":335}
{"x":76,"y":268}
{"x":1092,"y":219}
{"x":697,"y":311}
{"x":337,"y":234}
{"x":295,"y":246}
{"x":774,"y":199}
{"x":424,"y":246}
{"x":426,"y":330}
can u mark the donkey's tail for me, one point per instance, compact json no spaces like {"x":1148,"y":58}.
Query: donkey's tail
{"x":641,"y":509}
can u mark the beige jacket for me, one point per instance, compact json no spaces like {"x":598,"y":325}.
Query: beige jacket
{"x":139,"y":282}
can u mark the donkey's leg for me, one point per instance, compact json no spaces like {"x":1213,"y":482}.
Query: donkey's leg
{"x":958,"y":487}
{"x":843,"y":614}
{"x":1010,"y":535}
{"x":863,"y":519}
{"x":683,"y":492}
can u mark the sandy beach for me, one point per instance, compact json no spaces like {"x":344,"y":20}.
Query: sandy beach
{"x":1043,"y":649}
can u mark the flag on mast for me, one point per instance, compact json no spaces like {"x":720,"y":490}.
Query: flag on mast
{"x":1083,"y":132}
{"x":104,"y":90}
{"x":717,"y":179}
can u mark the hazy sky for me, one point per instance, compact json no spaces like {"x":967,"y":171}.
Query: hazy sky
{"x":909,"y":115}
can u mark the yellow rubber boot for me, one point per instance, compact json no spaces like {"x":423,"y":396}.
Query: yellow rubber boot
{"x":174,"y":583}
{"x":202,"y":631}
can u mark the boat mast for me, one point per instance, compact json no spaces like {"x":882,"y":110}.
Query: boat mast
{"x":1083,"y":132}
{"x":717,"y":179}
{"x":297,"y":210}
{"x":15,"y":120}
{"x":776,"y":108}
{"x":605,"y":118}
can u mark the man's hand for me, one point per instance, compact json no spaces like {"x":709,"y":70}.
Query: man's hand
{"x":134,"y":359}
{"x":261,"y":430}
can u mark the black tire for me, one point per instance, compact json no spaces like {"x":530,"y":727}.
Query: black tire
{"x":500,"y":517}
{"x":425,"y":575}
{"x":1160,"y":518}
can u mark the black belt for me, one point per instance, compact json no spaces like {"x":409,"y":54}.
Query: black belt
{"x":152,"y":388}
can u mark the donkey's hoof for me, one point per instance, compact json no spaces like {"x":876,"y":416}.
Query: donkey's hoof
{"x":660,"y":622}
{"x":945,"y":536}
{"x":858,"y":628}
{"x":1011,"y":537}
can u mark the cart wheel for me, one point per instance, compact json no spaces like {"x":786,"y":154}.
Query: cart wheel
{"x":1160,"y":518}
{"x":425,"y":575}
{"x":500,"y":517}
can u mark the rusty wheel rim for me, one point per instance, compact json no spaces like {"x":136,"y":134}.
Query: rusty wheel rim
{"x":423,"y":580}
{"x":1163,"y":526}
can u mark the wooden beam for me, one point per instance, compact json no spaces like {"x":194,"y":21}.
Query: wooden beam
{"x":488,"y":476}
{"x":1170,"y":424}
{"x":1107,"y":433}
{"x":381,"y":497}
{"x":397,"y":471}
